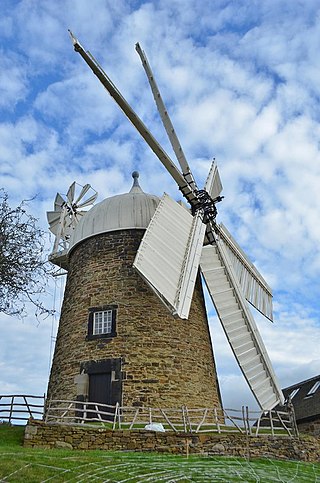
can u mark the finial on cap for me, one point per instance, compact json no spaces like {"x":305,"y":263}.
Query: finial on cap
{"x":135,"y":187}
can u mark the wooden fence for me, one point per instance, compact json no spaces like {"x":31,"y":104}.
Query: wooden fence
{"x":20,"y":407}
{"x":205,"y":420}
{"x":17,"y":408}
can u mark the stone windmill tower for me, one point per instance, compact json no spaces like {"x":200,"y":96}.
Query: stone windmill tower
{"x":116,"y":341}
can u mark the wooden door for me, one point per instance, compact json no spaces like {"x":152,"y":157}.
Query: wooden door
{"x":100,"y":392}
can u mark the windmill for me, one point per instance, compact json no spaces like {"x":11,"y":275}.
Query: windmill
{"x":177,"y":242}
{"x":66,"y":214}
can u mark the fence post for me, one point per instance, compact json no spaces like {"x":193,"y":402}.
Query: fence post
{"x":115,"y":416}
{"x":11,"y":409}
{"x":119,"y":418}
{"x":44,"y":405}
{"x":248,"y":420}
{"x":188,"y":421}
{"x":244,"y":419}
{"x":47,"y":412}
{"x":26,"y":403}
{"x":292,"y":418}
{"x":216,"y":419}
{"x":258,"y":424}
{"x":271,"y":422}
{"x":184,"y":420}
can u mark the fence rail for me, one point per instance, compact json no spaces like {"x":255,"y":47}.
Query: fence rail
{"x":204,"y":420}
{"x":17,"y":408}
{"x":20,"y":407}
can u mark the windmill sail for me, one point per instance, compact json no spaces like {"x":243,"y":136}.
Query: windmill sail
{"x":83,"y":191}
{"x":169,"y":255}
{"x":173,"y":138}
{"x":213,"y":183}
{"x":254,"y":287}
{"x":54,"y":220}
{"x":239,"y":326}
{"x":70,"y":192}
{"x":163,"y":157}
{"x":58,"y":202}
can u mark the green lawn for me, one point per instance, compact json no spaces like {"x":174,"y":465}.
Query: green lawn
{"x":18,"y":464}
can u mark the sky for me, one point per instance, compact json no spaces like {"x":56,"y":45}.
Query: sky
{"x":241,"y":82}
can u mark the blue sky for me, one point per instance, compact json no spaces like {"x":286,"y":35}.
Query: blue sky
{"x":241,"y":82}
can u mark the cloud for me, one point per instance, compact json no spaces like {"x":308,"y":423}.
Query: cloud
{"x":24,"y":363}
{"x":13,"y":81}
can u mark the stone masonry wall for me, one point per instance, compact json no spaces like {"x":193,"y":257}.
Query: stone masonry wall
{"x":166,"y":362}
{"x":41,"y":435}
{"x":310,"y":427}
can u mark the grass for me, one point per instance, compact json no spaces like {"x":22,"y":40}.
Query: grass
{"x":18,"y":464}
{"x":11,"y":435}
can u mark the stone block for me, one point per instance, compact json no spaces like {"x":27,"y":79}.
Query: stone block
{"x":62,"y":445}
{"x":83,"y":445}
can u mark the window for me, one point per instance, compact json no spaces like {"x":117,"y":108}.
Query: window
{"x":314,"y":388}
{"x":102,"y":322}
{"x":293,"y":393}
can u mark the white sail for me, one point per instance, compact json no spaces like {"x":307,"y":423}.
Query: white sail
{"x":239,"y":326}
{"x":253,"y":285}
{"x":213,"y":184}
{"x":169,"y":255}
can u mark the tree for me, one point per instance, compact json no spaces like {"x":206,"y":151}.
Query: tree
{"x":24,"y":270}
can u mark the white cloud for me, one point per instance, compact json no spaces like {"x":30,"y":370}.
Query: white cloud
{"x":24,"y":363}
{"x":13,"y":82}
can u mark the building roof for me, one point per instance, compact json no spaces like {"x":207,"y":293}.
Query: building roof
{"x":305,"y":397}
{"x":132,"y":210}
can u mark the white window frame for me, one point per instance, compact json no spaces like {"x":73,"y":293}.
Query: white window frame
{"x":314,"y":388}
{"x":102,"y":322}
{"x":293,"y":392}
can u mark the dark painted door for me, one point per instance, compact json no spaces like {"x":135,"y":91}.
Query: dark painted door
{"x":100,"y":392}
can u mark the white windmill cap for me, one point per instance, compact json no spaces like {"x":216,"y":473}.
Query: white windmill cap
{"x":132,"y":210}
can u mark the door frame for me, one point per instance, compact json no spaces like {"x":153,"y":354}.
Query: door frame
{"x":112,"y":366}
